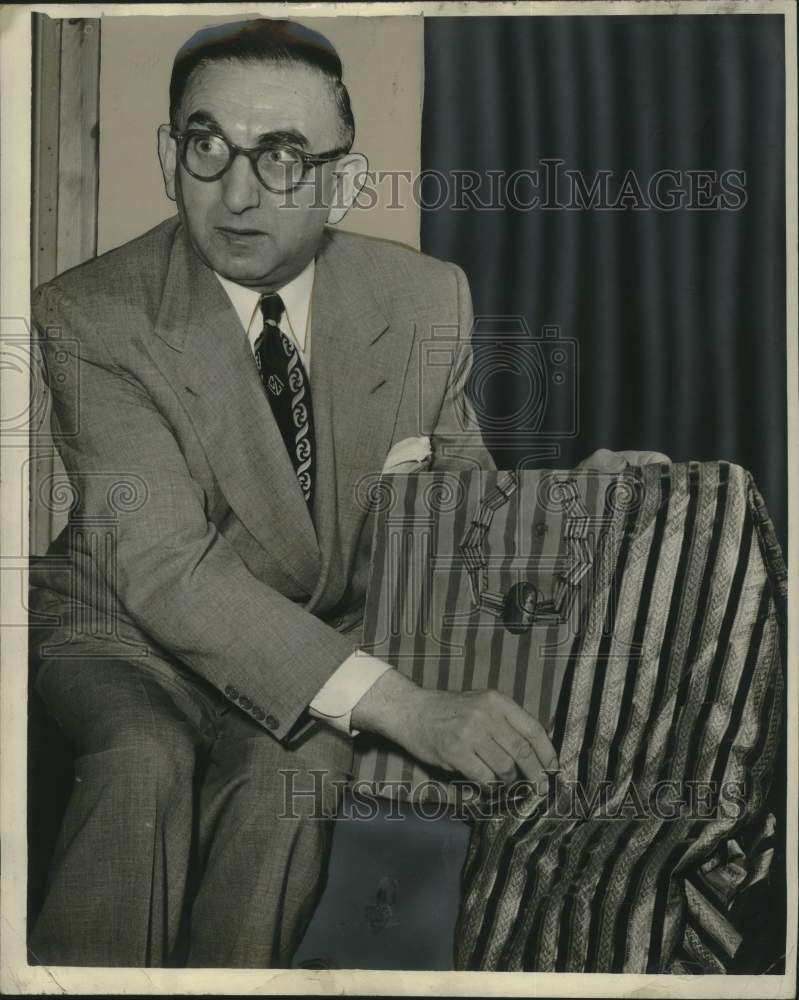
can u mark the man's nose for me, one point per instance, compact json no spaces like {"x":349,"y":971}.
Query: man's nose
{"x":240,"y":187}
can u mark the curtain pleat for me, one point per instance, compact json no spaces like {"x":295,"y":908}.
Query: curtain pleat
{"x":679,"y":316}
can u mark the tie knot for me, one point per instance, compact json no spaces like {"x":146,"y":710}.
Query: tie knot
{"x":272,"y":308}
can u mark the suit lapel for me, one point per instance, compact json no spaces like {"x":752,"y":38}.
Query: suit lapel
{"x":212,"y":368}
{"x":358,"y":365}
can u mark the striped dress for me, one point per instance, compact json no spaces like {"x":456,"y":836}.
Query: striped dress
{"x":653,"y":657}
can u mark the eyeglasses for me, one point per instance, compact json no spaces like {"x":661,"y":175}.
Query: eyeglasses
{"x":279,"y":167}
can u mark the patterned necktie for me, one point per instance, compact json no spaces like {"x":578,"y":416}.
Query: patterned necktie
{"x":288,"y":391}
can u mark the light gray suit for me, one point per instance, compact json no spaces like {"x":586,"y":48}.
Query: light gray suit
{"x":231,"y":604}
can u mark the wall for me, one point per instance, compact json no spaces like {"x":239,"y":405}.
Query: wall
{"x":383,"y":69}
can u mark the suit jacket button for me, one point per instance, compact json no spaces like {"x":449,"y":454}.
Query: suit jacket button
{"x":272,"y":722}
{"x":259,"y":713}
{"x":245,"y":703}
{"x":231,"y":692}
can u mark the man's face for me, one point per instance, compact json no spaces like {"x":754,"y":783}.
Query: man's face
{"x":240,"y":229}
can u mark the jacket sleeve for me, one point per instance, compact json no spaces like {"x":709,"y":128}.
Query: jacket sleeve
{"x":178,"y":579}
{"x":457,"y":439}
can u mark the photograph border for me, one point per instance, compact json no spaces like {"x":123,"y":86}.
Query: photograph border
{"x":16,"y":976}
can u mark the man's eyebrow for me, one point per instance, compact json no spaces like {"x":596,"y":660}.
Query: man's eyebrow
{"x":203,"y":118}
{"x":291,"y":136}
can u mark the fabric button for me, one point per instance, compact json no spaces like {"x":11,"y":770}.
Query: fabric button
{"x":245,"y":702}
{"x":231,"y":692}
{"x":272,"y":722}
{"x":259,"y":713}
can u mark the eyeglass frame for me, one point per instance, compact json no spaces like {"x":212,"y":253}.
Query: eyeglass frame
{"x":252,"y":153}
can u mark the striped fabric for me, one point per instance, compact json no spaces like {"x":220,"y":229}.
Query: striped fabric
{"x":435,"y":600}
{"x":662,"y":693}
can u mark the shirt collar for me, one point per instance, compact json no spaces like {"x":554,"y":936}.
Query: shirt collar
{"x":296,"y":296}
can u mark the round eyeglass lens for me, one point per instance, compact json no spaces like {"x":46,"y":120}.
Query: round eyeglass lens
{"x":206,"y":155}
{"x":280,"y":168}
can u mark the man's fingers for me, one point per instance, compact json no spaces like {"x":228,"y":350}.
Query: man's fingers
{"x":483,"y":735}
{"x":645,"y":457}
{"x":477,"y":770}
{"x":523,"y":753}
{"x":604,"y":460}
{"x":532,"y":732}
{"x":502,"y":764}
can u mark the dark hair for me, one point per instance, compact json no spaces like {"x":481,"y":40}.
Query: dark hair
{"x":261,"y":40}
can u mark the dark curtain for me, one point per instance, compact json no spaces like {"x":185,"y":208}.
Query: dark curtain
{"x":678,"y":316}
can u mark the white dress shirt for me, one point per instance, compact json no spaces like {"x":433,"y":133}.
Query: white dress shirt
{"x":343,"y":689}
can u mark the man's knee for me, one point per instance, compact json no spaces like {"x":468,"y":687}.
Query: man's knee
{"x":296,"y":789}
{"x":156,"y":758}
{"x":111,"y":708}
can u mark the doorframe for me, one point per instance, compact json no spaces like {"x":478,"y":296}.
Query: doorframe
{"x":65,"y":178}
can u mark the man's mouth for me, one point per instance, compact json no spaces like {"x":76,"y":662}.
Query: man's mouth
{"x":237,"y":234}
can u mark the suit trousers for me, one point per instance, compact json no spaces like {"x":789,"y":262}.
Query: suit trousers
{"x":191,"y":836}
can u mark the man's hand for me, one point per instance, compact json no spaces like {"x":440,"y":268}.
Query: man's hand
{"x":480,"y":734}
{"x":604,"y":460}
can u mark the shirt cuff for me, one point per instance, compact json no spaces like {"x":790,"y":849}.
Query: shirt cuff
{"x":343,"y":690}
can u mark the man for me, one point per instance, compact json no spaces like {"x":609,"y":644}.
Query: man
{"x":238,"y":373}
{"x":237,"y":378}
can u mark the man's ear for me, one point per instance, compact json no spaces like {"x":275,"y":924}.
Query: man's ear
{"x":168,"y":155}
{"x":349,"y":176}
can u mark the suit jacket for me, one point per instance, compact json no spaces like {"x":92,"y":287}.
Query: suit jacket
{"x":215,"y":562}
